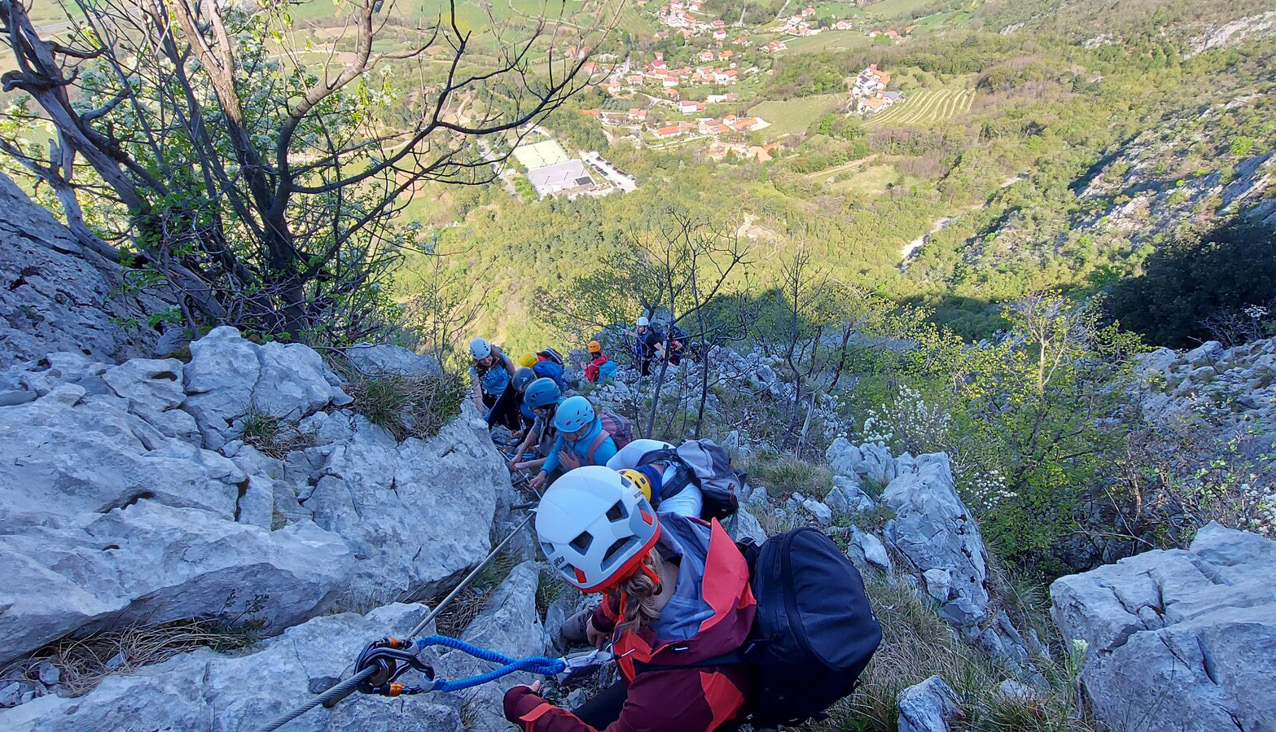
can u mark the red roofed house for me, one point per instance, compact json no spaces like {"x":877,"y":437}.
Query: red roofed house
{"x":687,"y":106}
{"x":720,"y":34}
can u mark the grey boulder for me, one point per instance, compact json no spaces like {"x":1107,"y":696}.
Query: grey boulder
{"x":385,"y":359}
{"x":868,"y":461}
{"x":230,"y":377}
{"x":1182,"y":640}
{"x":866,"y":550}
{"x":927,"y":707}
{"x":847,"y":497}
{"x":205,"y":691}
{"x":935,"y":532}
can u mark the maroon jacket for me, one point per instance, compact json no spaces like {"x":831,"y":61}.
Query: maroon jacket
{"x":672,"y":699}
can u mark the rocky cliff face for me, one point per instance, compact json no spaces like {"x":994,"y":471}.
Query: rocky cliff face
{"x":55,"y":296}
{"x":129,"y":495}
{"x":1178,"y":639}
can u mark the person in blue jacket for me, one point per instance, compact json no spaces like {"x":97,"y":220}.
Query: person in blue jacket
{"x":490,"y":375}
{"x":578,"y":428}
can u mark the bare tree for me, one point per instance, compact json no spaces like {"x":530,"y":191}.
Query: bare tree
{"x":444,"y":311}
{"x":818,"y":317}
{"x":264,"y":185}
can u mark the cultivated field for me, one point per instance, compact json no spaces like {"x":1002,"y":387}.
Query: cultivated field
{"x":924,"y":107}
{"x":794,"y":116}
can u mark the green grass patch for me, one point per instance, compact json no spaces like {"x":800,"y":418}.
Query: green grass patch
{"x":897,"y":8}
{"x":407,"y":406}
{"x":832,"y":40}
{"x":794,"y":116}
{"x":784,"y":475}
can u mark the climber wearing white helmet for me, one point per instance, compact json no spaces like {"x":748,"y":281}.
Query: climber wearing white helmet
{"x":649,"y":343}
{"x":676,"y":594}
{"x":490,"y":376}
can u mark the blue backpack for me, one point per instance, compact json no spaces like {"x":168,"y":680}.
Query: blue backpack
{"x":607,"y":371}
{"x":550,"y":370}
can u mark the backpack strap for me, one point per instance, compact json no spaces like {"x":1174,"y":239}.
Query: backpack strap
{"x":682,"y":476}
{"x":595,"y":444}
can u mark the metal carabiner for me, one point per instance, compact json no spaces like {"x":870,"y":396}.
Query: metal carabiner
{"x":389,"y":658}
{"x":583,"y":664}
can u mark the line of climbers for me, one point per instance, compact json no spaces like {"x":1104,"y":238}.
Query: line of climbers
{"x":708,"y":634}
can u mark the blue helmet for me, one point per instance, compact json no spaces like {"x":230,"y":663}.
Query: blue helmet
{"x":542,"y":393}
{"x":522,"y":378}
{"x":574,"y":414}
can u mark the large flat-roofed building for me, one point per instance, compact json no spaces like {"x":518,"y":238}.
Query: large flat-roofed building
{"x":541,"y":154}
{"x":568,"y":177}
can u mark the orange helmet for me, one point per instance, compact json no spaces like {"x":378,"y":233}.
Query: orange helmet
{"x":595,"y":347}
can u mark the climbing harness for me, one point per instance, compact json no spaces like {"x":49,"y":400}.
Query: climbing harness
{"x":333,"y":696}
{"x":390,"y":658}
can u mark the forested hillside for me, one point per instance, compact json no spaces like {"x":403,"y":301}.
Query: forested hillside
{"x":1090,"y":137}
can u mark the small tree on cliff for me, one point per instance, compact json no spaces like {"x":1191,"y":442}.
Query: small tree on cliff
{"x":256,"y":174}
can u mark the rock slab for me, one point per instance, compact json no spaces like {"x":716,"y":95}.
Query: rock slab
{"x":1182,"y":640}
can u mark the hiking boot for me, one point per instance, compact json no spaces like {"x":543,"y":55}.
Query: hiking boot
{"x":572,"y":632}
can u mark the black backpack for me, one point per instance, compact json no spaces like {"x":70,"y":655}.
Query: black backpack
{"x":707,"y":466}
{"x":814,"y":631}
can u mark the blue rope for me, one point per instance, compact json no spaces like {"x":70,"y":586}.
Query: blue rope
{"x":539,"y":665}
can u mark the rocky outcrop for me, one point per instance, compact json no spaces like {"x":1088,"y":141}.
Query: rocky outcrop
{"x":215,"y":692}
{"x":54,"y":296}
{"x":927,"y":707}
{"x":938,"y":536}
{"x":1178,"y":639}
{"x":130,"y":495}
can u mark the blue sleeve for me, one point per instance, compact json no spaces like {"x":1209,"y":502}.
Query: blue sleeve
{"x":551,"y":461}
{"x":605,"y":452}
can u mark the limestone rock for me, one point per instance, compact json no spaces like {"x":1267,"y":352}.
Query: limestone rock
{"x":927,"y":707}
{"x":1199,"y":626}
{"x":868,"y":461}
{"x":847,"y":497}
{"x":866,"y":549}
{"x":934,"y":530}
{"x":823,"y":514}
{"x":511,"y":624}
{"x":230,"y":377}
{"x":56,"y":297}
{"x":212,"y":692}
{"x":383,"y":359}
{"x":745,"y":525}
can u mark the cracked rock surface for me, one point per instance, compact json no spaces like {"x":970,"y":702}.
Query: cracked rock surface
{"x":1178,"y":639}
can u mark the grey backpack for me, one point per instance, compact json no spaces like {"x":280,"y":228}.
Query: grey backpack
{"x":703,"y":463}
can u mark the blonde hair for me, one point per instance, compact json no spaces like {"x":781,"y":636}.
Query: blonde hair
{"x":637,"y":595}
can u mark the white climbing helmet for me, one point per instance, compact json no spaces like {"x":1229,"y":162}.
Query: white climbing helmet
{"x":480,"y":349}
{"x":595,"y":527}
{"x":643,"y":322}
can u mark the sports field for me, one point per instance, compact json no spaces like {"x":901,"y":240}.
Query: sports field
{"x":540,"y":154}
{"x":924,"y":107}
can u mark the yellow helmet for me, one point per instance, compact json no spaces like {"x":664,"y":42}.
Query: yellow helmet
{"x":527,"y":360}
{"x":639,"y":480}
{"x":595,"y":347}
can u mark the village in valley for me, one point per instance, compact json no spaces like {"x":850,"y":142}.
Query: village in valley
{"x":696,"y":83}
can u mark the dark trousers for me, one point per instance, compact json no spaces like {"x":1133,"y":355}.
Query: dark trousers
{"x":504,"y":409}
{"x":604,"y":708}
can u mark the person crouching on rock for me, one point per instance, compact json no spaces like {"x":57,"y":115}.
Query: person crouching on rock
{"x":581,"y":439}
{"x":600,"y":368}
{"x":675,"y":595}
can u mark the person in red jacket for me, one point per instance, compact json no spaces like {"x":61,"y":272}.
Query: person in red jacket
{"x":675,"y":595}
{"x":600,"y":367}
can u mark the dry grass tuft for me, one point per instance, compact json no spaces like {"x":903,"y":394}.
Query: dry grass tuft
{"x":85,"y":662}
{"x":407,"y":406}
{"x":916,"y":645}
{"x":273,"y":437}
{"x":784,"y":475}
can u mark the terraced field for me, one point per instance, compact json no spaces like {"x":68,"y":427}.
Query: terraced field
{"x":924,"y":107}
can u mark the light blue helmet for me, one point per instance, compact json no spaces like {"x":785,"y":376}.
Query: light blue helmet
{"x":542,"y":393}
{"x":522,"y":378}
{"x":574,"y":414}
